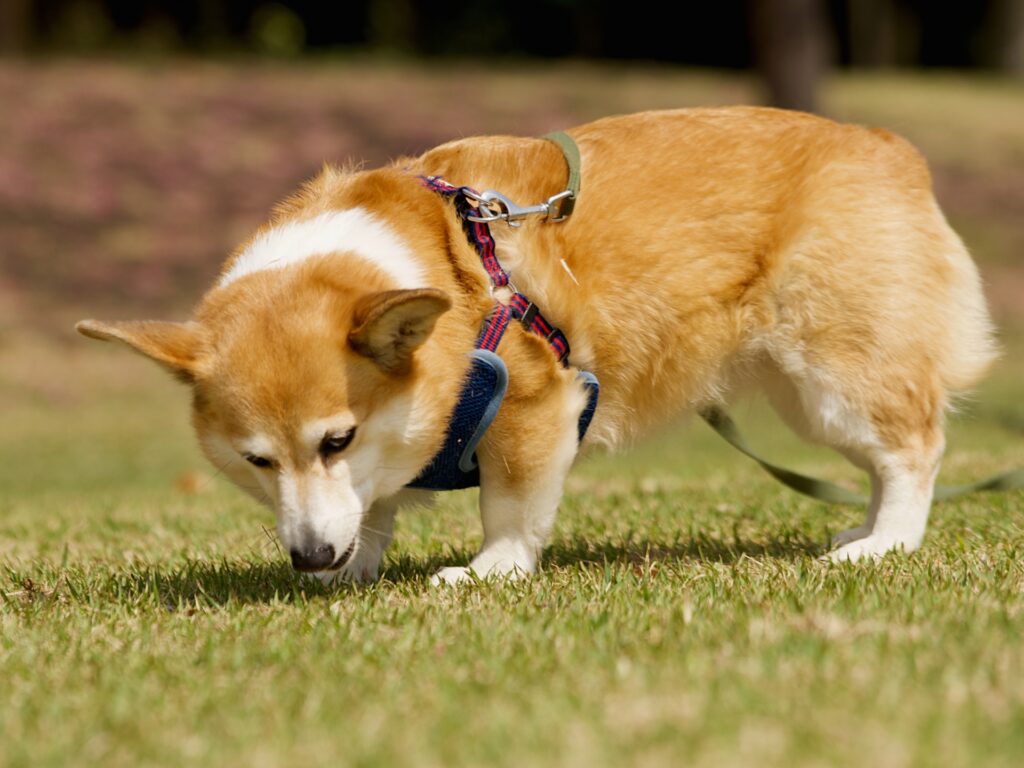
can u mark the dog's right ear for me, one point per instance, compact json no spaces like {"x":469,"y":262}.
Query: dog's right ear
{"x":178,"y":347}
{"x":389,"y":326}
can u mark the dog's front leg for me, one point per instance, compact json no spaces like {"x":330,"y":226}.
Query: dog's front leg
{"x":523,"y":467}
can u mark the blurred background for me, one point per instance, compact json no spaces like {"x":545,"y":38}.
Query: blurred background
{"x":140,"y":141}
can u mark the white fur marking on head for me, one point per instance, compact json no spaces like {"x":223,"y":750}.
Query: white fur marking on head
{"x":354,"y":230}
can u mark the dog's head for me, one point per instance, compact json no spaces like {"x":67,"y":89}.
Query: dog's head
{"x":308,"y":393}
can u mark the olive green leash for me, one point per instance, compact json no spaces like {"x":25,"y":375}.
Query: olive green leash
{"x":823,"y":490}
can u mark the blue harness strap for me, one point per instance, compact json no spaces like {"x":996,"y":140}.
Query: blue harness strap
{"x":455,"y":465}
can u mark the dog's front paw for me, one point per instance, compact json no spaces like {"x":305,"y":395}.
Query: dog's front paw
{"x":850,"y":534}
{"x":453,"y":575}
{"x":360,"y":572}
{"x":869,"y":548}
{"x":501,"y":569}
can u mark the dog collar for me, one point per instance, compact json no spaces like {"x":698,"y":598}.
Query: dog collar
{"x":455,"y":465}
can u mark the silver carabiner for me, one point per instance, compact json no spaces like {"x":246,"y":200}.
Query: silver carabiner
{"x":487,"y":207}
{"x":498,"y":206}
{"x":492,"y":205}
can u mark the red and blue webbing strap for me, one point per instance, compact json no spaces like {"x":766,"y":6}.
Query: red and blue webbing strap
{"x":526,"y":312}
{"x":494,"y":328}
{"x":478,"y":232}
{"x":523,"y":310}
{"x":519,"y":307}
{"x":437,"y":184}
{"x":480,"y":235}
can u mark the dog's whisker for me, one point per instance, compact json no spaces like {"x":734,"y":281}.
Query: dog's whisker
{"x":272,"y":539}
{"x":208,"y":482}
{"x":372,"y":530}
{"x":569,"y":271}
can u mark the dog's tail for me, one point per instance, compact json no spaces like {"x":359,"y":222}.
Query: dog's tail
{"x":972,"y":347}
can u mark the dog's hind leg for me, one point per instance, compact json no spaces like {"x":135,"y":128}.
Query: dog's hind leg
{"x":888,"y":423}
{"x":877,"y":319}
{"x":524,"y":460}
{"x":902,"y":485}
{"x":801,"y":409}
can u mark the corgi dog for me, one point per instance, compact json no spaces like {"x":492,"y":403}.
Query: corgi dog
{"x":708,"y":249}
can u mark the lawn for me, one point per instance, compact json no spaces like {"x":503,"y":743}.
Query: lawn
{"x":681,"y":617}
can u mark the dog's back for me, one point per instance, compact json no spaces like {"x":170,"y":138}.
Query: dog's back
{"x":707,"y":239}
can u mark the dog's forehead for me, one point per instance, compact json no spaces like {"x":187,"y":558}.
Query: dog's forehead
{"x":282,"y":395}
{"x":300,"y":435}
{"x":295,"y":392}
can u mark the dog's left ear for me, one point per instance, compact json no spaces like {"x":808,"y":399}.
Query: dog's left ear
{"x":389,"y":326}
{"x":178,"y":347}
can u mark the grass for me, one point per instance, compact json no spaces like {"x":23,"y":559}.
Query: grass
{"x":146,"y":616}
{"x":681,"y":616}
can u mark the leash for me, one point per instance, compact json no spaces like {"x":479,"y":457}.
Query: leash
{"x":829,"y":492}
{"x":823,"y":490}
{"x":492,"y":205}
{"x":571,"y":153}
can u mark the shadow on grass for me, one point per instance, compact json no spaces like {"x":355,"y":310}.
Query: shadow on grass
{"x":198,"y":584}
{"x":698,"y":549}
{"x":202,"y":584}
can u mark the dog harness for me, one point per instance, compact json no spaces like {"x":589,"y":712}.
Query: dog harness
{"x":455,"y":465}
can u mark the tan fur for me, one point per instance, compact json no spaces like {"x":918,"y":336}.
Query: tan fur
{"x":708,"y":247}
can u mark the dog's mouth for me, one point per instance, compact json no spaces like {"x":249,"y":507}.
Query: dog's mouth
{"x":344,"y":557}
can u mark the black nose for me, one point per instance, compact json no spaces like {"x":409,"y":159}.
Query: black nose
{"x":313,"y":559}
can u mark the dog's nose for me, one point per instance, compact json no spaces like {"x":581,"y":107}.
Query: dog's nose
{"x":313,"y":559}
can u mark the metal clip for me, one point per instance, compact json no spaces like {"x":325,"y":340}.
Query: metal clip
{"x":560,"y":206}
{"x":492,"y":205}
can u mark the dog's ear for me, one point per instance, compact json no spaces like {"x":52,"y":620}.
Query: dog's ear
{"x":388,"y":326}
{"x":176,"y":346}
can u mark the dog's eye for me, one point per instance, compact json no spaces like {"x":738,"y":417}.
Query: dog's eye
{"x":332,"y":444}
{"x":259,"y":461}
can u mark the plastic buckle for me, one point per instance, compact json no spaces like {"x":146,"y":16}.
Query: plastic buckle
{"x":557,"y":333}
{"x":529,"y":313}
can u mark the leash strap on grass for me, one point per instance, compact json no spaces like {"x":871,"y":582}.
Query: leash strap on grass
{"x":1008,"y":481}
{"x":825,"y":491}
{"x":822,"y":490}
{"x":572,"y":158}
